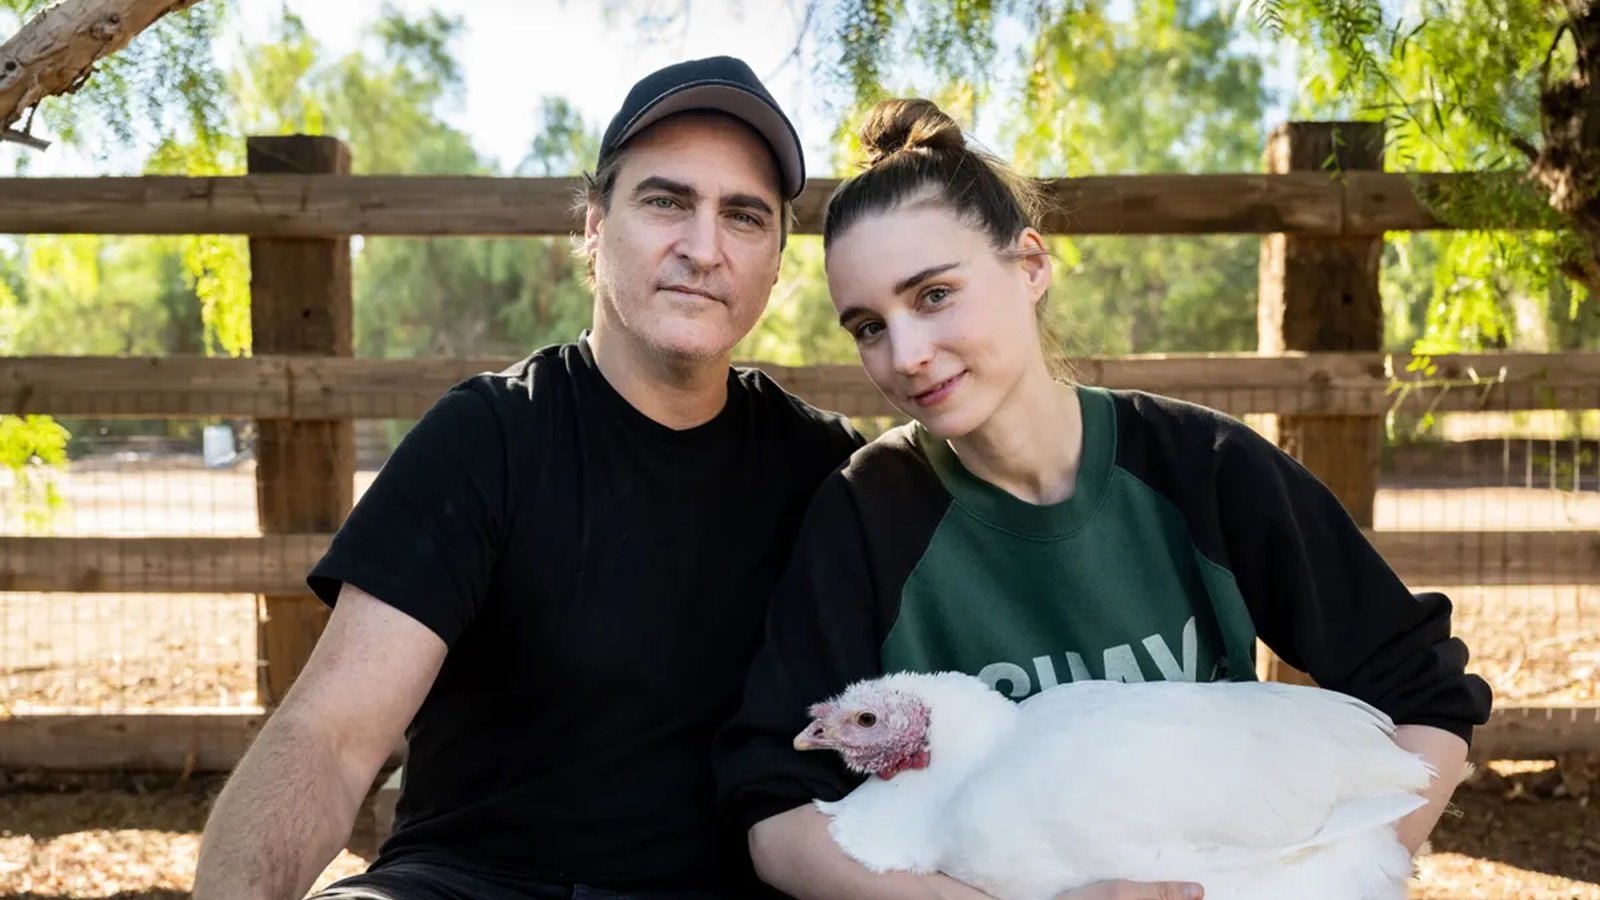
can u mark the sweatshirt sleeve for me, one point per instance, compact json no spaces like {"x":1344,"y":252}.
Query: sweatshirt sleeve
{"x":1325,"y":601}
{"x":824,"y":631}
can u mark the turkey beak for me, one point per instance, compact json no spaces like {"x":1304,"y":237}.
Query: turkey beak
{"x":814,"y":737}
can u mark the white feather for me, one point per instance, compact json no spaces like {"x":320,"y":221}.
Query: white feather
{"x":1256,"y":790}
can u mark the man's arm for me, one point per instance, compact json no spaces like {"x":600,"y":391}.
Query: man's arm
{"x":793,"y":852}
{"x":290,"y":804}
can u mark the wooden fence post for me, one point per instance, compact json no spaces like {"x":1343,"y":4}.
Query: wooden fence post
{"x":1321,"y":294}
{"x":300,"y":304}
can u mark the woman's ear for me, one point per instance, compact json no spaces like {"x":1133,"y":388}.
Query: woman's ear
{"x":1037,"y":266}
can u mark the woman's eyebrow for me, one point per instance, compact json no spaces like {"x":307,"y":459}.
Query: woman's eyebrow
{"x":906,"y":284}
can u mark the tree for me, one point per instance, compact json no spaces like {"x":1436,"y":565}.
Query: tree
{"x":58,"y":50}
{"x":1168,"y":91}
{"x":413,"y":296}
{"x":1511,"y":87}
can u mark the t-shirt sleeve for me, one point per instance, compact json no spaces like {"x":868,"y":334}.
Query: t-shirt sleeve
{"x":1326,"y":601}
{"x":823,"y":632}
{"x":425,"y":535}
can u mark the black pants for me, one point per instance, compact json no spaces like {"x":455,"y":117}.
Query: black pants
{"x":422,"y":881}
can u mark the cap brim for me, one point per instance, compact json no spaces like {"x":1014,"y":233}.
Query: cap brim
{"x":740,"y":103}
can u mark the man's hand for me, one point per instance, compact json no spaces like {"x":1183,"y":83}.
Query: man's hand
{"x":1135,"y":890}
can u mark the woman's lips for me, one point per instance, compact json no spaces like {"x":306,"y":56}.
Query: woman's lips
{"x":937,"y":394}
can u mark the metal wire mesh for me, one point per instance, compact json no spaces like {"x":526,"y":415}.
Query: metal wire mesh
{"x":123,"y":626}
{"x":1525,"y":474}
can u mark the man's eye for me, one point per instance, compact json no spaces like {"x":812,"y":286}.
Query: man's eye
{"x":662,"y":202}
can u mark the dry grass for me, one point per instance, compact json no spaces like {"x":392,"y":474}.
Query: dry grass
{"x":1516,"y":837}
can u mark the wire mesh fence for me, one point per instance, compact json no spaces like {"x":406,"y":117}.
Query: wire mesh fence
{"x":1532,"y":474}
{"x":1500,"y":509}
{"x":146,"y":627}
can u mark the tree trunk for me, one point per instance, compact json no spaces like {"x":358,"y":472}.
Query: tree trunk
{"x":56,"y":50}
{"x":1568,"y":165}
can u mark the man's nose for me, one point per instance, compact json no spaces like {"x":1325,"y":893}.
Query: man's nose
{"x":701,"y":240}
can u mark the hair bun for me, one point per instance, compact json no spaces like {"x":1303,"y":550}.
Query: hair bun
{"x":894,"y":126}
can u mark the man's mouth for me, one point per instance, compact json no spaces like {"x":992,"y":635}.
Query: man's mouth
{"x":937,"y":393}
{"x":691,"y":291}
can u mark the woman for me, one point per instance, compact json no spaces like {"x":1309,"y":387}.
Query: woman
{"x":1032,"y":531}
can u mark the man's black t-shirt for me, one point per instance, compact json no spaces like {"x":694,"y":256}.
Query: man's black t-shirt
{"x":601,"y":582}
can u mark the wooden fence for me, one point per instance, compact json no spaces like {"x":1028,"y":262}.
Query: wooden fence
{"x":1319,"y":372}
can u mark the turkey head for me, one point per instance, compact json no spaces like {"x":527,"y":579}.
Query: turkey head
{"x":876,"y":730}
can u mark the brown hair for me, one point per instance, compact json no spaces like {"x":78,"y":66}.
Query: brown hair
{"x":915,"y":154}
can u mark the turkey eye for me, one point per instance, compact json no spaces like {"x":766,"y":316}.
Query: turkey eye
{"x":866,"y":720}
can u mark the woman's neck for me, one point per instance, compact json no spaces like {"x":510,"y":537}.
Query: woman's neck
{"x":1032,"y":445}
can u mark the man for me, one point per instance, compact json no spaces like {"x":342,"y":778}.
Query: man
{"x":556,"y":583}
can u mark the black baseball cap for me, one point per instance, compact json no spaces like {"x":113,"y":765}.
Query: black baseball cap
{"x":720,"y":83}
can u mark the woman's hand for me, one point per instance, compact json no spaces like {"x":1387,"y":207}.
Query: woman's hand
{"x":1135,"y":890}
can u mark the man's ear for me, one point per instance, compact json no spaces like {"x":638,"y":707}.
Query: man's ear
{"x":593,"y":215}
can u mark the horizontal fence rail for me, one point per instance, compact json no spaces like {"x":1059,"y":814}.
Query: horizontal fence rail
{"x":214,"y":740}
{"x":280,"y":387}
{"x":277,"y":563}
{"x":192,"y":740}
{"x":1325,"y":204}
{"x":174,"y":739}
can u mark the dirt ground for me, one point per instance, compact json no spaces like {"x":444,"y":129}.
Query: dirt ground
{"x":1520,"y":830}
{"x":1509,"y":838}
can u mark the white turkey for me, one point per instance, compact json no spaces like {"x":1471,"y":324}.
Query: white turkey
{"x":1252,"y":789}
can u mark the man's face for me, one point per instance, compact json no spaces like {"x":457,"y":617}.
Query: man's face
{"x":687,"y":254}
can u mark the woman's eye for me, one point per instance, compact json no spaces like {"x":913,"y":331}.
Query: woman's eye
{"x":935,"y":296}
{"x":868,"y":330}
{"x":866,"y":720}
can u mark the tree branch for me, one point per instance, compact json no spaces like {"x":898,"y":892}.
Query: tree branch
{"x":799,"y":40}
{"x":23,"y":138}
{"x":1555,"y":42}
{"x":56,"y":50}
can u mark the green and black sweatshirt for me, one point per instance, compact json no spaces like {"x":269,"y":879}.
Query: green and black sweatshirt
{"x":1187,"y":536}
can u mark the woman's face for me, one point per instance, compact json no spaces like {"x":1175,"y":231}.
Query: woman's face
{"x":944,"y":322}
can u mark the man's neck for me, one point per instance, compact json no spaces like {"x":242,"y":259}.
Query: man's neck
{"x":677,"y":392}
